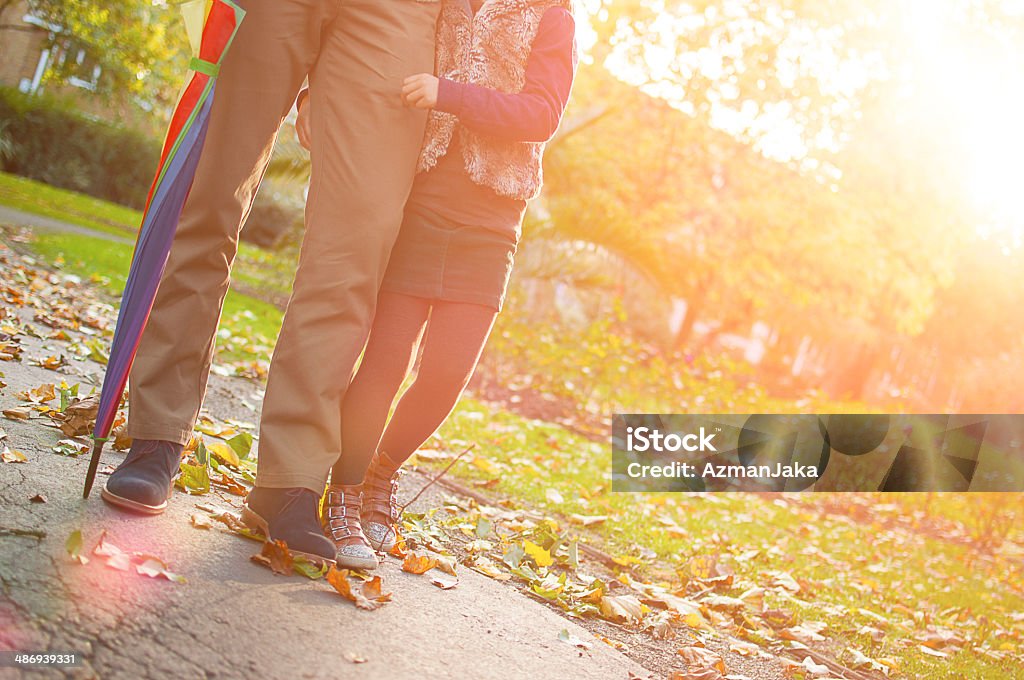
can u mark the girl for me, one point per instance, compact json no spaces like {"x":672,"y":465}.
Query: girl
{"x":505,"y":69}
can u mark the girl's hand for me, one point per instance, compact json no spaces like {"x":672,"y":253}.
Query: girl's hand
{"x":420,"y":91}
{"x":303,"y":128}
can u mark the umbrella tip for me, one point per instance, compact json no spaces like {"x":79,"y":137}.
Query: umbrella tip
{"x":94,"y":462}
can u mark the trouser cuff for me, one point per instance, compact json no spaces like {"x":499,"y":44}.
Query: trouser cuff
{"x":290,"y":480}
{"x":164,"y":433}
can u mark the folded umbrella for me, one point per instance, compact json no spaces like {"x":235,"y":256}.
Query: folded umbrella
{"x":211,"y":26}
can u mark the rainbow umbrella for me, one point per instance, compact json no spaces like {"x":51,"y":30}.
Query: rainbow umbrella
{"x":211,"y":26}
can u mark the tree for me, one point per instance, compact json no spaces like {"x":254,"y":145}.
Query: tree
{"x":138,"y":45}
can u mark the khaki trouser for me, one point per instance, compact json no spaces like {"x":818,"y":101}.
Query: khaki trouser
{"x":365,"y":145}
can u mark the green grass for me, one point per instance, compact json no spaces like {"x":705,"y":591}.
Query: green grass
{"x":262,"y":271}
{"x":900,"y":572}
{"x":41,"y":199}
{"x":106,"y":264}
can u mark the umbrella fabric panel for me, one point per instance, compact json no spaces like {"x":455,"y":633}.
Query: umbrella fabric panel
{"x":148,"y":263}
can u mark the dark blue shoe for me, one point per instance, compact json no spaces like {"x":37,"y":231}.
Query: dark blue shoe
{"x":289,"y":515}
{"x":144,"y":480}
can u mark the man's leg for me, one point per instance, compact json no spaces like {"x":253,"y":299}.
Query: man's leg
{"x":365,"y":145}
{"x":276,"y":46}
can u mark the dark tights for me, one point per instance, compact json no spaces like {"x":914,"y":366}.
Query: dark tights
{"x":455,"y":336}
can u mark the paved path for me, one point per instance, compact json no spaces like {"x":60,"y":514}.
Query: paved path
{"x":234,"y":619}
{"x":20,"y":218}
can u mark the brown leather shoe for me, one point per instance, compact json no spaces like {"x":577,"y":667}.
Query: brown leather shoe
{"x":341,"y":522}
{"x":380,"y":502}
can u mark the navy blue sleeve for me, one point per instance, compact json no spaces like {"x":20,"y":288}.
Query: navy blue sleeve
{"x":533,"y":114}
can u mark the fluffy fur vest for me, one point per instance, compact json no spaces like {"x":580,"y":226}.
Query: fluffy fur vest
{"x":488,"y":49}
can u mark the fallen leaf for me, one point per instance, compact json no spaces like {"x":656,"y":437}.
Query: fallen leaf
{"x":74,"y":547}
{"x":241,"y":444}
{"x":483,"y":528}
{"x":446,"y":563}
{"x":122,"y":442}
{"x":17,"y":413}
{"x":815,"y":668}
{"x":778,"y":618}
{"x":38,"y":498}
{"x":237,"y":526}
{"x":624,"y":608}
{"x":276,"y":556}
{"x":694,"y":621}
{"x":744,"y":648}
{"x":339,"y":579}
{"x":565,"y":637}
{"x":588,"y":520}
{"x":554,"y":496}
{"x":154,"y":567}
{"x":224,"y":453}
{"x":702,"y":568}
{"x":487,"y":568}
{"x":860,"y":660}
{"x":418,"y":564}
{"x":194,"y":479}
{"x":116,"y":558}
{"x":303,"y":566}
{"x":701,"y":659}
{"x":78,"y":418}
{"x":229,"y":484}
{"x":874,"y":633}
{"x":805,"y":632}
{"x":540,"y":556}
{"x":724,"y":603}
{"x":70,"y":447}
{"x":40,"y":395}
{"x":51,"y":362}
{"x":702,"y":674}
{"x":513,"y":557}
{"x":200,"y":521}
{"x":660,"y":626}
{"x":786,"y":581}
{"x":373,"y":590}
{"x":479,"y":546}
{"x":444,"y":581}
{"x":12,"y":456}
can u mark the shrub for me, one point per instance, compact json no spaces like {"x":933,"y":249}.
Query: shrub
{"x":47,"y":140}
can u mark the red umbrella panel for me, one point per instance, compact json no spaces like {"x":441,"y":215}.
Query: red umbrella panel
{"x":175,"y":173}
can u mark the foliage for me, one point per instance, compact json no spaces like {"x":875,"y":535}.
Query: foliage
{"x":138,"y":45}
{"x":54,"y":144}
{"x":604,"y":370}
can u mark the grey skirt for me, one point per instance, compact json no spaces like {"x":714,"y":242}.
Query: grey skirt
{"x":438,"y":260}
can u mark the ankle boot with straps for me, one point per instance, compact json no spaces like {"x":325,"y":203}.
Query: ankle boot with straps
{"x":341,"y":516}
{"x":380,"y":502}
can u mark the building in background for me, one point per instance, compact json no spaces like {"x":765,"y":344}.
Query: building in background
{"x":29,"y":52}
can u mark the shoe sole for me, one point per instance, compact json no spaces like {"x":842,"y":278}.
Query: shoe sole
{"x":364,"y":563}
{"x":259,"y":526}
{"x":128,"y":504}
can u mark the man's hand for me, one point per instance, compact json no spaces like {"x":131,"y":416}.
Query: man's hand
{"x":420,"y":91}
{"x":303,"y":128}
